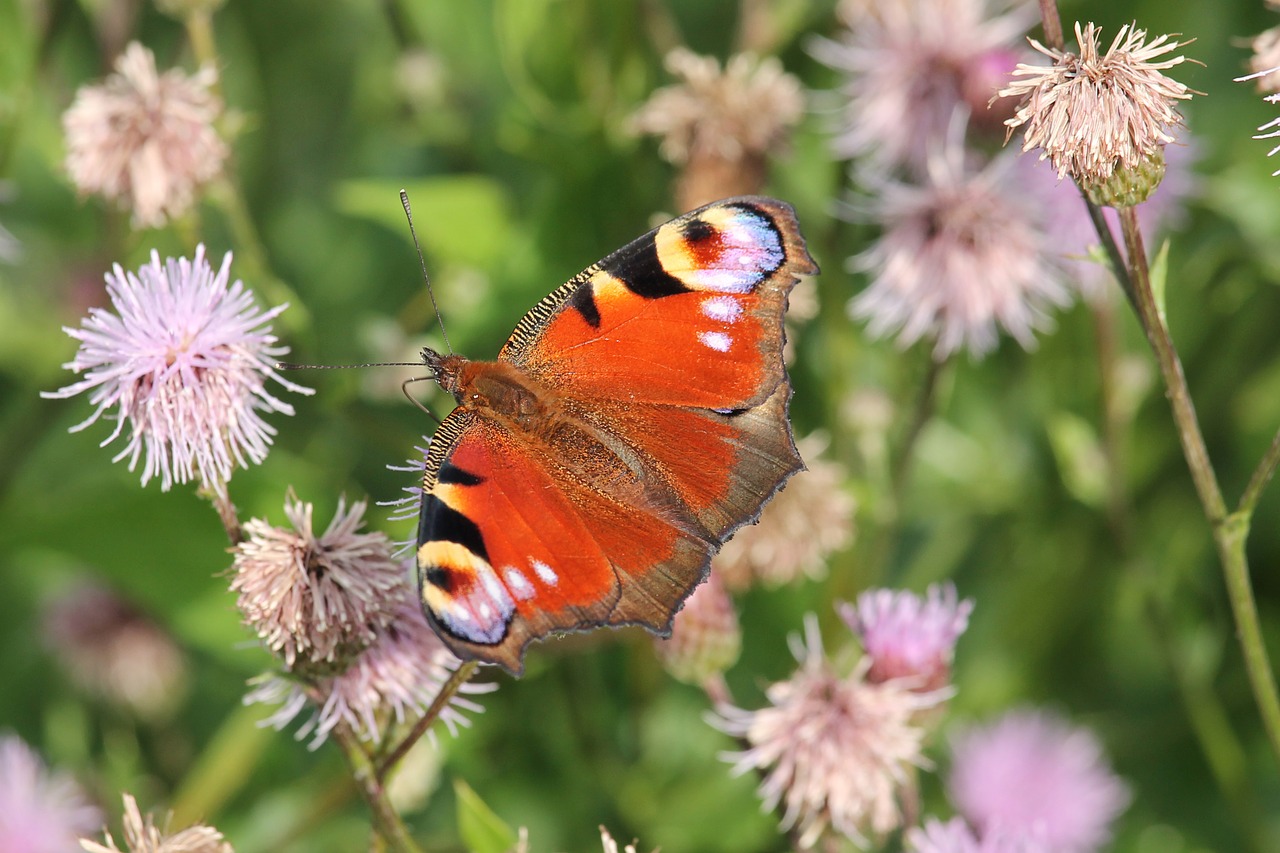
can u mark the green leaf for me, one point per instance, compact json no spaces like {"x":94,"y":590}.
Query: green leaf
{"x":1159,"y":277}
{"x":1080,"y":458}
{"x":481,"y":829}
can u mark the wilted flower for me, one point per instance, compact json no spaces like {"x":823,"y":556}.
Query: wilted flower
{"x":1091,"y":114}
{"x":907,"y":636}
{"x":705,"y":637}
{"x":183,"y":362}
{"x":960,"y":255}
{"x":145,"y":140}
{"x":41,"y":811}
{"x":1033,"y":773}
{"x":316,"y":601}
{"x":720,"y":124}
{"x":955,"y":836}
{"x":805,"y":523}
{"x":142,"y":836}
{"x":910,"y":64}
{"x":111,"y":648}
{"x":837,"y":751}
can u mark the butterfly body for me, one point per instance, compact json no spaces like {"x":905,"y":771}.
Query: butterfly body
{"x":634,"y":420}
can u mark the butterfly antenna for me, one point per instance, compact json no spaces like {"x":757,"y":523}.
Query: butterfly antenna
{"x":404,"y":200}
{"x":289,"y":365}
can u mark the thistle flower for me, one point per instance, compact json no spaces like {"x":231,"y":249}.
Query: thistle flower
{"x":955,"y":836}
{"x":611,"y":846}
{"x":1093,"y":113}
{"x":1264,"y":63}
{"x":907,"y":636}
{"x":705,"y":636}
{"x":836,"y":750}
{"x":142,"y":836}
{"x":394,"y":680}
{"x":41,"y":810}
{"x":720,"y":125}
{"x":1033,"y":773}
{"x":805,"y":523}
{"x":111,"y":648}
{"x":960,"y":255}
{"x":909,"y":64}
{"x":144,"y":140}
{"x":316,"y":602}
{"x":183,"y":362}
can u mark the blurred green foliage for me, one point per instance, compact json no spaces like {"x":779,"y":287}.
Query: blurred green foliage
{"x":507,"y":122}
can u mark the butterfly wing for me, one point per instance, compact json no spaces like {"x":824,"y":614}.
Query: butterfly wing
{"x":690,"y":314}
{"x":670,"y":432}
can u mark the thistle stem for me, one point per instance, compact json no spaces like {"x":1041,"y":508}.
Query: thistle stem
{"x":1230,"y":530}
{"x":459,"y":677}
{"x":388,"y":825}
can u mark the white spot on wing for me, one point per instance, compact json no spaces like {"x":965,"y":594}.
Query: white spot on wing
{"x":520,"y":586}
{"x":723,"y":308}
{"x":718,"y":341}
{"x":545,"y":573}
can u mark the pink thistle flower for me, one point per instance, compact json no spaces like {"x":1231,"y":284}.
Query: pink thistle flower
{"x":960,"y":255}
{"x":836,"y":750}
{"x":1034,"y":773}
{"x":907,"y":636}
{"x":144,"y":140}
{"x":705,"y":636}
{"x":41,"y":811}
{"x":316,"y":601}
{"x":394,"y":680}
{"x":1264,"y":64}
{"x":142,"y":836}
{"x":955,"y":836}
{"x":910,"y":64}
{"x":183,"y":362}
{"x":1092,"y":113}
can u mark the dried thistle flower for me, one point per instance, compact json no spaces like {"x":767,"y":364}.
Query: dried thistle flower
{"x":142,"y":836}
{"x":145,"y":140}
{"x":705,"y":636}
{"x":1092,"y":113}
{"x":836,"y":751}
{"x":805,"y":523}
{"x":316,"y":602}
{"x":184,"y":362}
{"x":720,"y":125}
{"x":1264,"y":64}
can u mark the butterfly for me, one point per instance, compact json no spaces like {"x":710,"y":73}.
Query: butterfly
{"x":635,"y":419}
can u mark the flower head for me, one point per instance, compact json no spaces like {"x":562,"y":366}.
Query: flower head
{"x":955,"y":836}
{"x":1033,"y":773}
{"x":111,"y":648}
{"x":910,"y":64}
{"x":1092,"y":113}
{"x":143,"y":139}
{"x":705,"y":636}
{"x":835,"y":750}
{"x":806,"y":522}
{"x":316,"y":601}
{"x":142,"y":836}
{"x":183,"y":363}
{"x":41,"y":811}
{"x":961,"y":255}
{"x":394,"y":680}
{"x":907,"y":636}
{"x":721,"y":123}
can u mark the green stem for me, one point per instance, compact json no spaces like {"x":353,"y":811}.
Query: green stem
{"x":386,"y":821}
{"x":459,"y":677}
{"x":1261,"y":476}
{"x":1229,"y":530}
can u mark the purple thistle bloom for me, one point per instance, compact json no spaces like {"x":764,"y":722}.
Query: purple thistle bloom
{"x":41,"y":811}
{"x":1033,"y":773}
{"x":909,"y":636}
{"x":955,"y":836}
{"x":183,"y":362}
{"x":394,"y":680}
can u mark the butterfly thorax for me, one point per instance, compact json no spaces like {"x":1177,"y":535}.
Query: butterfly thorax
{"x":498,"y":388}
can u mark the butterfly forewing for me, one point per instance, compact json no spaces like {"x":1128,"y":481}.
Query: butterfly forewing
{"x":634,"y":420}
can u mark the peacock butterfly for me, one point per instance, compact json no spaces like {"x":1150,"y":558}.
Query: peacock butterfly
{"x":635,"y":419}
